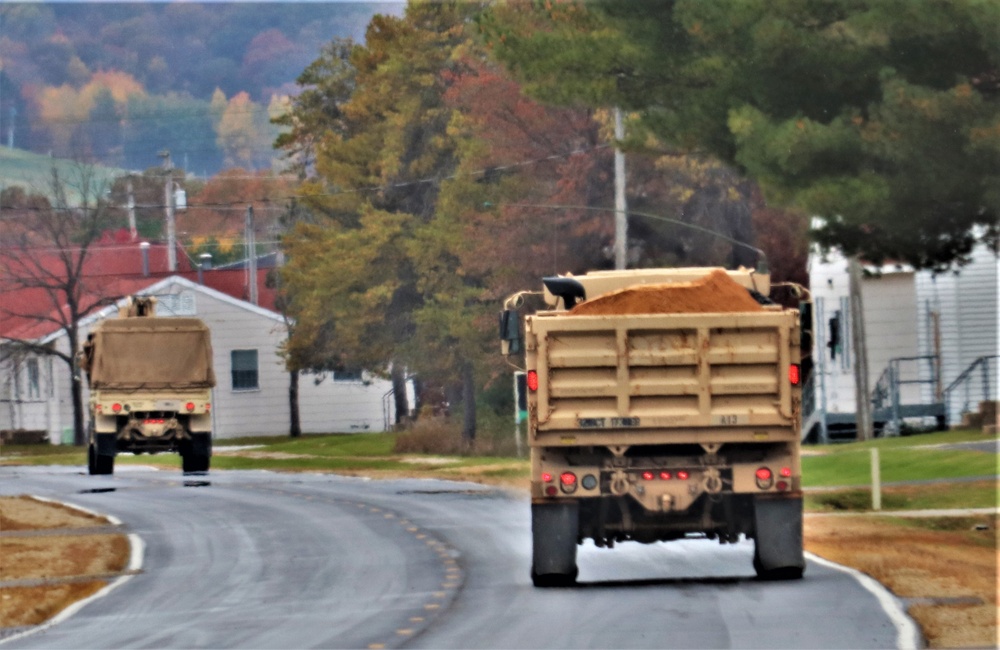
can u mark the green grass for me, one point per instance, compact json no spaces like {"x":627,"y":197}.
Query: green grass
{"x":361,"y":444}
{"x":42,"y":455}
{"x":910,"y":458}
{"x":978,"y":494}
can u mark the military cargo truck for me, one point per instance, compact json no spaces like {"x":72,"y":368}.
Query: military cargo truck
{"x":662,"y":404}
{"x":151,"y":382}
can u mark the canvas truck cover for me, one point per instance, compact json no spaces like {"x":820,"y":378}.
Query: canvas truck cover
{"x":150,"y":353}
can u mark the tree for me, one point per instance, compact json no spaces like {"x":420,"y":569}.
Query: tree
{"x":880,"y":116}
{"x":327,"y":83}
{"x":45,"y":254}
{"x":394,"y":137}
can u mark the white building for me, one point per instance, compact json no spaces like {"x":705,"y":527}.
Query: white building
{"x":923,"y":330}
{"x":251,"y":396}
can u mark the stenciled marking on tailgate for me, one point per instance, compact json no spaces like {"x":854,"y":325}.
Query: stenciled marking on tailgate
{"x":604,"y":423}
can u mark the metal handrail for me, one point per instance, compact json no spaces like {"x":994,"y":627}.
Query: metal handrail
{"x":887,"y":388}
{"x":965,"y":378}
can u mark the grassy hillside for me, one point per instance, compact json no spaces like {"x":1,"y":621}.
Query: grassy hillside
{"x":34,"y":172}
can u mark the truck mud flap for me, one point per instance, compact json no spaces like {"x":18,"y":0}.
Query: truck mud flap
{"x":778,"y":538}
{"x":554,"y":531}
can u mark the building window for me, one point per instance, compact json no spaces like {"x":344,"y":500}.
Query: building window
{"x":348,"y":375}
{"x":245,"y":370}
{"x":34,"y":387}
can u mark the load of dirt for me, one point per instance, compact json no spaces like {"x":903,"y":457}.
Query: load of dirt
{"x":714,"y":293}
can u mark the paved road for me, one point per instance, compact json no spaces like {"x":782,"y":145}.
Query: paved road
{"x":265,"y":560}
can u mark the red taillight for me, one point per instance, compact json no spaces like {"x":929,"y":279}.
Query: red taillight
{"x":189,"y":406}
{"x":665,"y":476}
{"x":648,"y":476}
{"x":568,"y":480}
{"x":532,"y":380}
{"x":765,"y":478}
{"x":683,"y":476}
{"x":551,"y":490}
{"x":794,"y":374}
{"x":116,"y":407}
{"x":782,"y":485}
{"x":546,"y":477}
{"x":208,"y":407}
{"x":786,"y":471}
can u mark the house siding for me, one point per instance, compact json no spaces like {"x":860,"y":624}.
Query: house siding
{"x":966,"y":301}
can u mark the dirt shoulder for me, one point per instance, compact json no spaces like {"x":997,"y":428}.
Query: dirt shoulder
{"x":52,"y":556}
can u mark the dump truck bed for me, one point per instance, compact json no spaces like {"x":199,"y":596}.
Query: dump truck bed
{"x":664,"y":378}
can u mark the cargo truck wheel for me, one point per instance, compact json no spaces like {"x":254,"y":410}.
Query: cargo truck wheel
{"x":196,"y":455}
{"x":194,"y":463}
{"x":554,"y":531}
{"x":98,"y":463}
{"x":778,"y":539}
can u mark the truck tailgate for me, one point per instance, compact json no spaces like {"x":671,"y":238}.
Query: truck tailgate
{"x":664,"y":371}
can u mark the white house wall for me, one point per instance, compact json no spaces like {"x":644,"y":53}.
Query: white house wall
{"x":890,"y":320}
{"x":966,"y":301}
{"x":347,"y":406}
{"x":21,"y":407}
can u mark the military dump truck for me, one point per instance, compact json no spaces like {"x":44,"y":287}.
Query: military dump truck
{"x":662,"y":404}
{"x":151,"y":385}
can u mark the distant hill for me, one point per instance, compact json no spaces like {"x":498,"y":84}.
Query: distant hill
{"x":33,"y":172}
{"x":118,"y":82}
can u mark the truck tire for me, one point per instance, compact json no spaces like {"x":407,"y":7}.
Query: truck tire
{"x":194,"y":463}
{"x":778,"y":539}
{"x":196,"y":456}
{"x":98,"y":463}
{"x":554,"y":532}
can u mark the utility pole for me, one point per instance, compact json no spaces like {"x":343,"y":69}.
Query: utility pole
{"x":169,"y":203}
{"x":862,"y":395}
{"x":132,"y":228}
{"x":171,"y":227}
{"x":251,"y":244}
{"x":621,"y":210}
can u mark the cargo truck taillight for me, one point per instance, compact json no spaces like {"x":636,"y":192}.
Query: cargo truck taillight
{"x":665,"y":476}
{"x":532,"y":380}
{"x":765,"y":478}
{"x":794,"y":374}
{"x":116,"y":407}
{"x":786,"y":472}
{"x":568,"y":481}
{"x":683,"y":476}
{"x":648,"y":476}
{"x":546,"y":477}
{"x":189,"y":406}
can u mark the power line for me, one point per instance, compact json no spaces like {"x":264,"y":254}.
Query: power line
{"x":241,"y":204}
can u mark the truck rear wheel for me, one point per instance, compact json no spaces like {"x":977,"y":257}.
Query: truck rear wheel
{"x":98,"y":463}
{"x":554,"y":531}
{"x":778,"y":539}
{"x":196,"y":455}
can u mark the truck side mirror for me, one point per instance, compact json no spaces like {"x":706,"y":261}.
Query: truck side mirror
{"x":511,"y":341}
